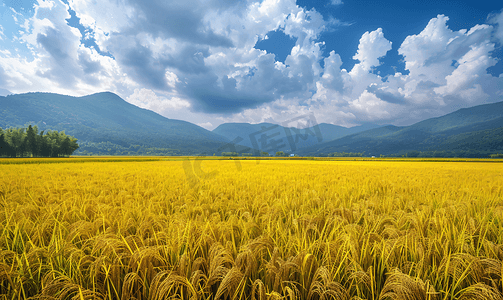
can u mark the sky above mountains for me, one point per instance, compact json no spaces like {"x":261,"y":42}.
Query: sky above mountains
{"x":210,"y":62}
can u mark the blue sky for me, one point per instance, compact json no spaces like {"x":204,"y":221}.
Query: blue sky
{"x":210,"y":62}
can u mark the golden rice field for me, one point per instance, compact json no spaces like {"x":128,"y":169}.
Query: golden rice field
{"x":227,"y":229}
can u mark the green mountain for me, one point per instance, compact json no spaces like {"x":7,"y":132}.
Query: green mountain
{"x":474,"y":131}
{"x":106,"y":124}
{"x":271,"y":138}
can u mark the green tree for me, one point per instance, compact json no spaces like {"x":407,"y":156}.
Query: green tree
{"x":229,"y":154}
{"x":280,"y":153}
{"x":31,"y":141}
{"x":45,"y":148}
{"x":16,"y":139}
{"x":5,"y":149}
{"x":54,"y":142}
{"x":64,"y":148}
{"x":68,"y":145}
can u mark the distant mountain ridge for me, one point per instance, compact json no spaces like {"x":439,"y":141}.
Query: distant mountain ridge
{"x":271,"y":138}
{"x":107,"y":120}
{"x":106,"y":124}
{"x":476,"y":130}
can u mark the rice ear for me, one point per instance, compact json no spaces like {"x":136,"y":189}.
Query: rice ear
{"x":167,"y":284}
{"x":199,"y":281}
{"x":322,"y":287}
{"x":274,"y":296}
{"x":220,"y":262}
{"x":258,"y":291}
{"x":480,"y":291}
{"x":401,"y":286}
{"x":60,"y":287}
{"x":229,"y":287}
{"x":133,"y":287}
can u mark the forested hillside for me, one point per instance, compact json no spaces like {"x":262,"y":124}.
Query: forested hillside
{"x":105,"y":124}
{"x":470,"y":132}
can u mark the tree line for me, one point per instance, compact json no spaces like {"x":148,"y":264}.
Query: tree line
{"x":28,"y":142}
{"x":346,"y":154}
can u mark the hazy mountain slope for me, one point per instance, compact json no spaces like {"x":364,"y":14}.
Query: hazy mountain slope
{"x":105,"y":117}
{"x":272,"y":137}
{"x":468,"y":129}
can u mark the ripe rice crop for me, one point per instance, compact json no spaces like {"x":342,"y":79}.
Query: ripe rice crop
{"x":274,"y":229}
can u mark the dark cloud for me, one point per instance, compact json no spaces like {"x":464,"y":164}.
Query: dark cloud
{"x":182,"y":20}
{"x":390,"y":97}
{"x":229,"y":83}
{"x":219,"y":102}
{"x":53,"y":43}
{"x":274,"y":81}
{"x":207,"y":96}
{"x":150,"y":68}
{"x":426,"y":85}
{"x":189,"y":60}
{"x":395,"y":98}
{"x":89,"y":66}
{"x":264,"y":84}
{"x":209,"y":92}
{"x":140,"y":63}
{"x":63,"y":68}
